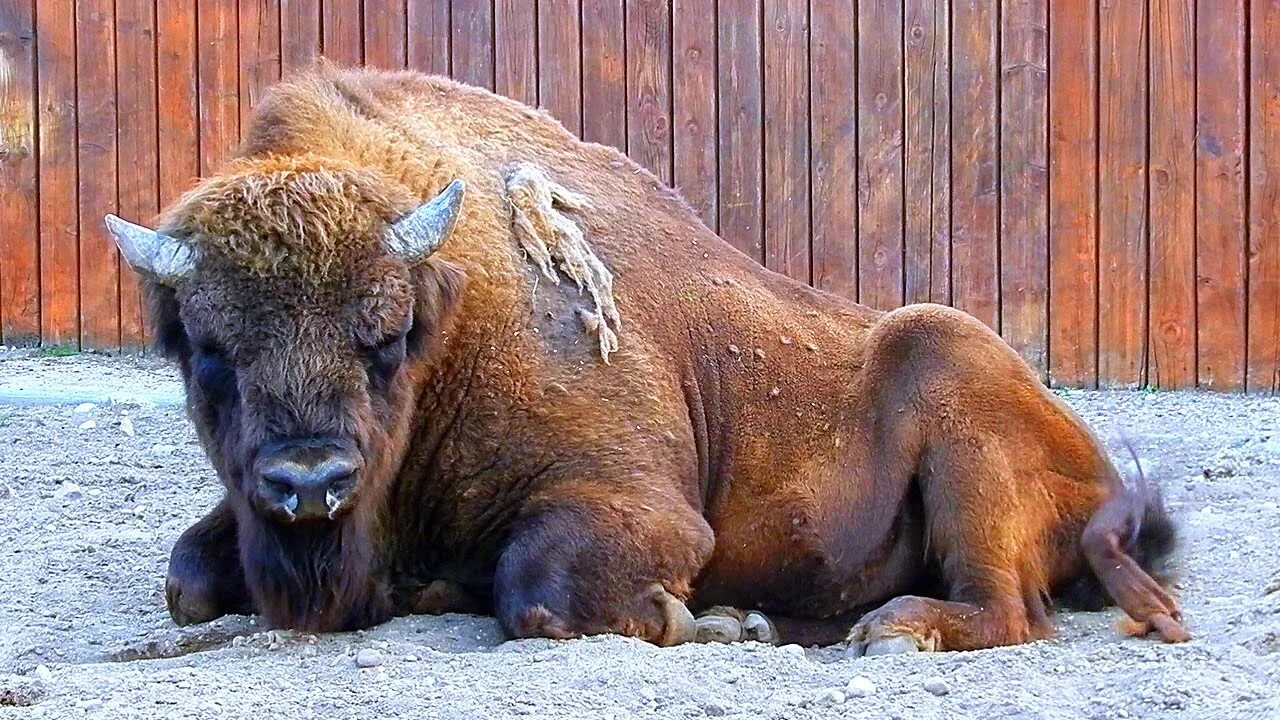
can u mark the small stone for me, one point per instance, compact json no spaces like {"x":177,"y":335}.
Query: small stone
{"x":368,"y":658}
{"x":715,"y":709}
{"x":648,"y":695}
{"x":860,"y":687}
{"x":937,"y":686}
{"x":411,"y":658}
{"x":43,"y":673}
{"x":773,"y":393}
{"x":126,"y":425}
{"x":89,"y":704}
{"x":68,"y":491}
{"x":734,"y":349}
{"x":183,"y":684}
{"x":829,"y":697}
{"x":810,"y":347}
{"x":88,"y":425}
{"x":84,"y":407}
{"x":793,"y":649}
{"x":784,"y":340}
{"x":759,"y":353}
{"x":163,"y":449}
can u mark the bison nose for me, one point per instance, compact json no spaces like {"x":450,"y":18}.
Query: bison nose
{"x":307,"y":482}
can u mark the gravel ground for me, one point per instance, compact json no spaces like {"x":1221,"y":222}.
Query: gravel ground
{"x":92,"y":496}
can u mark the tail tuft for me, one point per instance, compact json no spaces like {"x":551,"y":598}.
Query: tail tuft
{"x":1137,"y":514}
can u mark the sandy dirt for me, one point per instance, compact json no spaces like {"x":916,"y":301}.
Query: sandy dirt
{"x":93,"y":497}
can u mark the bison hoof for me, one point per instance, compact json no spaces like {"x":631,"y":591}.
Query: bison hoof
{"x":678,"y":623}
{"x":718,"y":628}
{"x":188,"y":605}
{"x":756,"y":626}
{"x":893,"y":645}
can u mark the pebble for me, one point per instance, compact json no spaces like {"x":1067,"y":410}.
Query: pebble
{"x":88,"y":425}
{"x":829,"y":697}
{"x":715,"y":709}
{"x":89,"y":704}
{"x":43,"y":673}
{"x":860,"y":687}
{"x":368,"y":658}
{"x":937,"y":686}
{"x":126,"y":425}
{"x":793,"y":649}
{"x":85,"y":407}
{"x":68,"y":491}
{"x":411,"y":658}
{"x":163,"y":449}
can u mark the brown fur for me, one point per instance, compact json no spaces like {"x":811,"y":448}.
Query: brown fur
{"x":754,"y":442}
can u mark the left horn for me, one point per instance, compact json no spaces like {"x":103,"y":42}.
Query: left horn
{"x":165,"y":259}
{"x":415,"y":236}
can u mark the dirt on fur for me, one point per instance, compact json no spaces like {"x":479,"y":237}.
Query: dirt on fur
{"x":100,"y":472}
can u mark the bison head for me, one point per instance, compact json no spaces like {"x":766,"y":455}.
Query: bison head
{"x":292,"y":293}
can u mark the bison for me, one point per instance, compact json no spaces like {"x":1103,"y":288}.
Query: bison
{"x":445,"y":356}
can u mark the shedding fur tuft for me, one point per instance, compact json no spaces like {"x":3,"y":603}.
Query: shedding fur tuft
{"x":553,"y":241}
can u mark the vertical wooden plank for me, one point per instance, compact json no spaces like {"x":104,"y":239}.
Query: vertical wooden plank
{"x":429,"y":36}
{"x":1073,"y":174}
{"x":741,"y":130}
{"x":786,"y":138}
{"x":343,"y":34}
{"x":833,"y":167}
{"x":515,"y":49}
{"x":299,"y":34}
{"x":693,"y":81}
{"x":927,"y":167}
{"x":219,"y":95}
{"x":975,"y":161}
{"x":1264,"y":197}
{"x":96,"y":157}
{"x":1220,"y":218}
{"x":178,"y":87}
{"x":19,"y":202}
{"x":139,"y":162}
{"x":649,"y":85}
{"x":604,"y":72}
{"x":1171,"y":350}
{"x":880,"y":188}
{"x":259,"y":49}
{"x":1122,"y":196}
{"x":384,"y":33}
{"x":1024,"y":189}
{"x":59,"y":220}
{"x":473,"y":42}
{"x":559,"y":62}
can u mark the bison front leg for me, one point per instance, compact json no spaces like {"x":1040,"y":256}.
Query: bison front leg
{"x":205,"y":579}
{"x":592,"y":560}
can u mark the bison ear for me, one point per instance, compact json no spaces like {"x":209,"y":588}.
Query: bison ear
{"x":164,"y":259}
{"x":415,"y":236}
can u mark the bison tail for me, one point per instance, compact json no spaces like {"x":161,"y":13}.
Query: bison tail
{"x":1130,"y":545}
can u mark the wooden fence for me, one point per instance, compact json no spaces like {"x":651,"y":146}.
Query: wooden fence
{"x":1099,"y":180}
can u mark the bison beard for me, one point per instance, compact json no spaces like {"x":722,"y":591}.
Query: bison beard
{"x":747,"y":445}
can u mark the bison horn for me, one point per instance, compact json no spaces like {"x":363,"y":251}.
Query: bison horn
{"x":156,"y":255}
{"x":415,"y":236}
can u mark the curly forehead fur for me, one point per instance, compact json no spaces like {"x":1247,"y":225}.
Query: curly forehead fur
{"x":298,"y":215}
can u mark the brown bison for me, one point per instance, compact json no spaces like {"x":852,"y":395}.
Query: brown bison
{"x":552,"y":394}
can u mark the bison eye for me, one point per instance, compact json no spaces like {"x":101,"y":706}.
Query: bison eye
{"x":385,"y":358}
{"x":213,"y":371}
